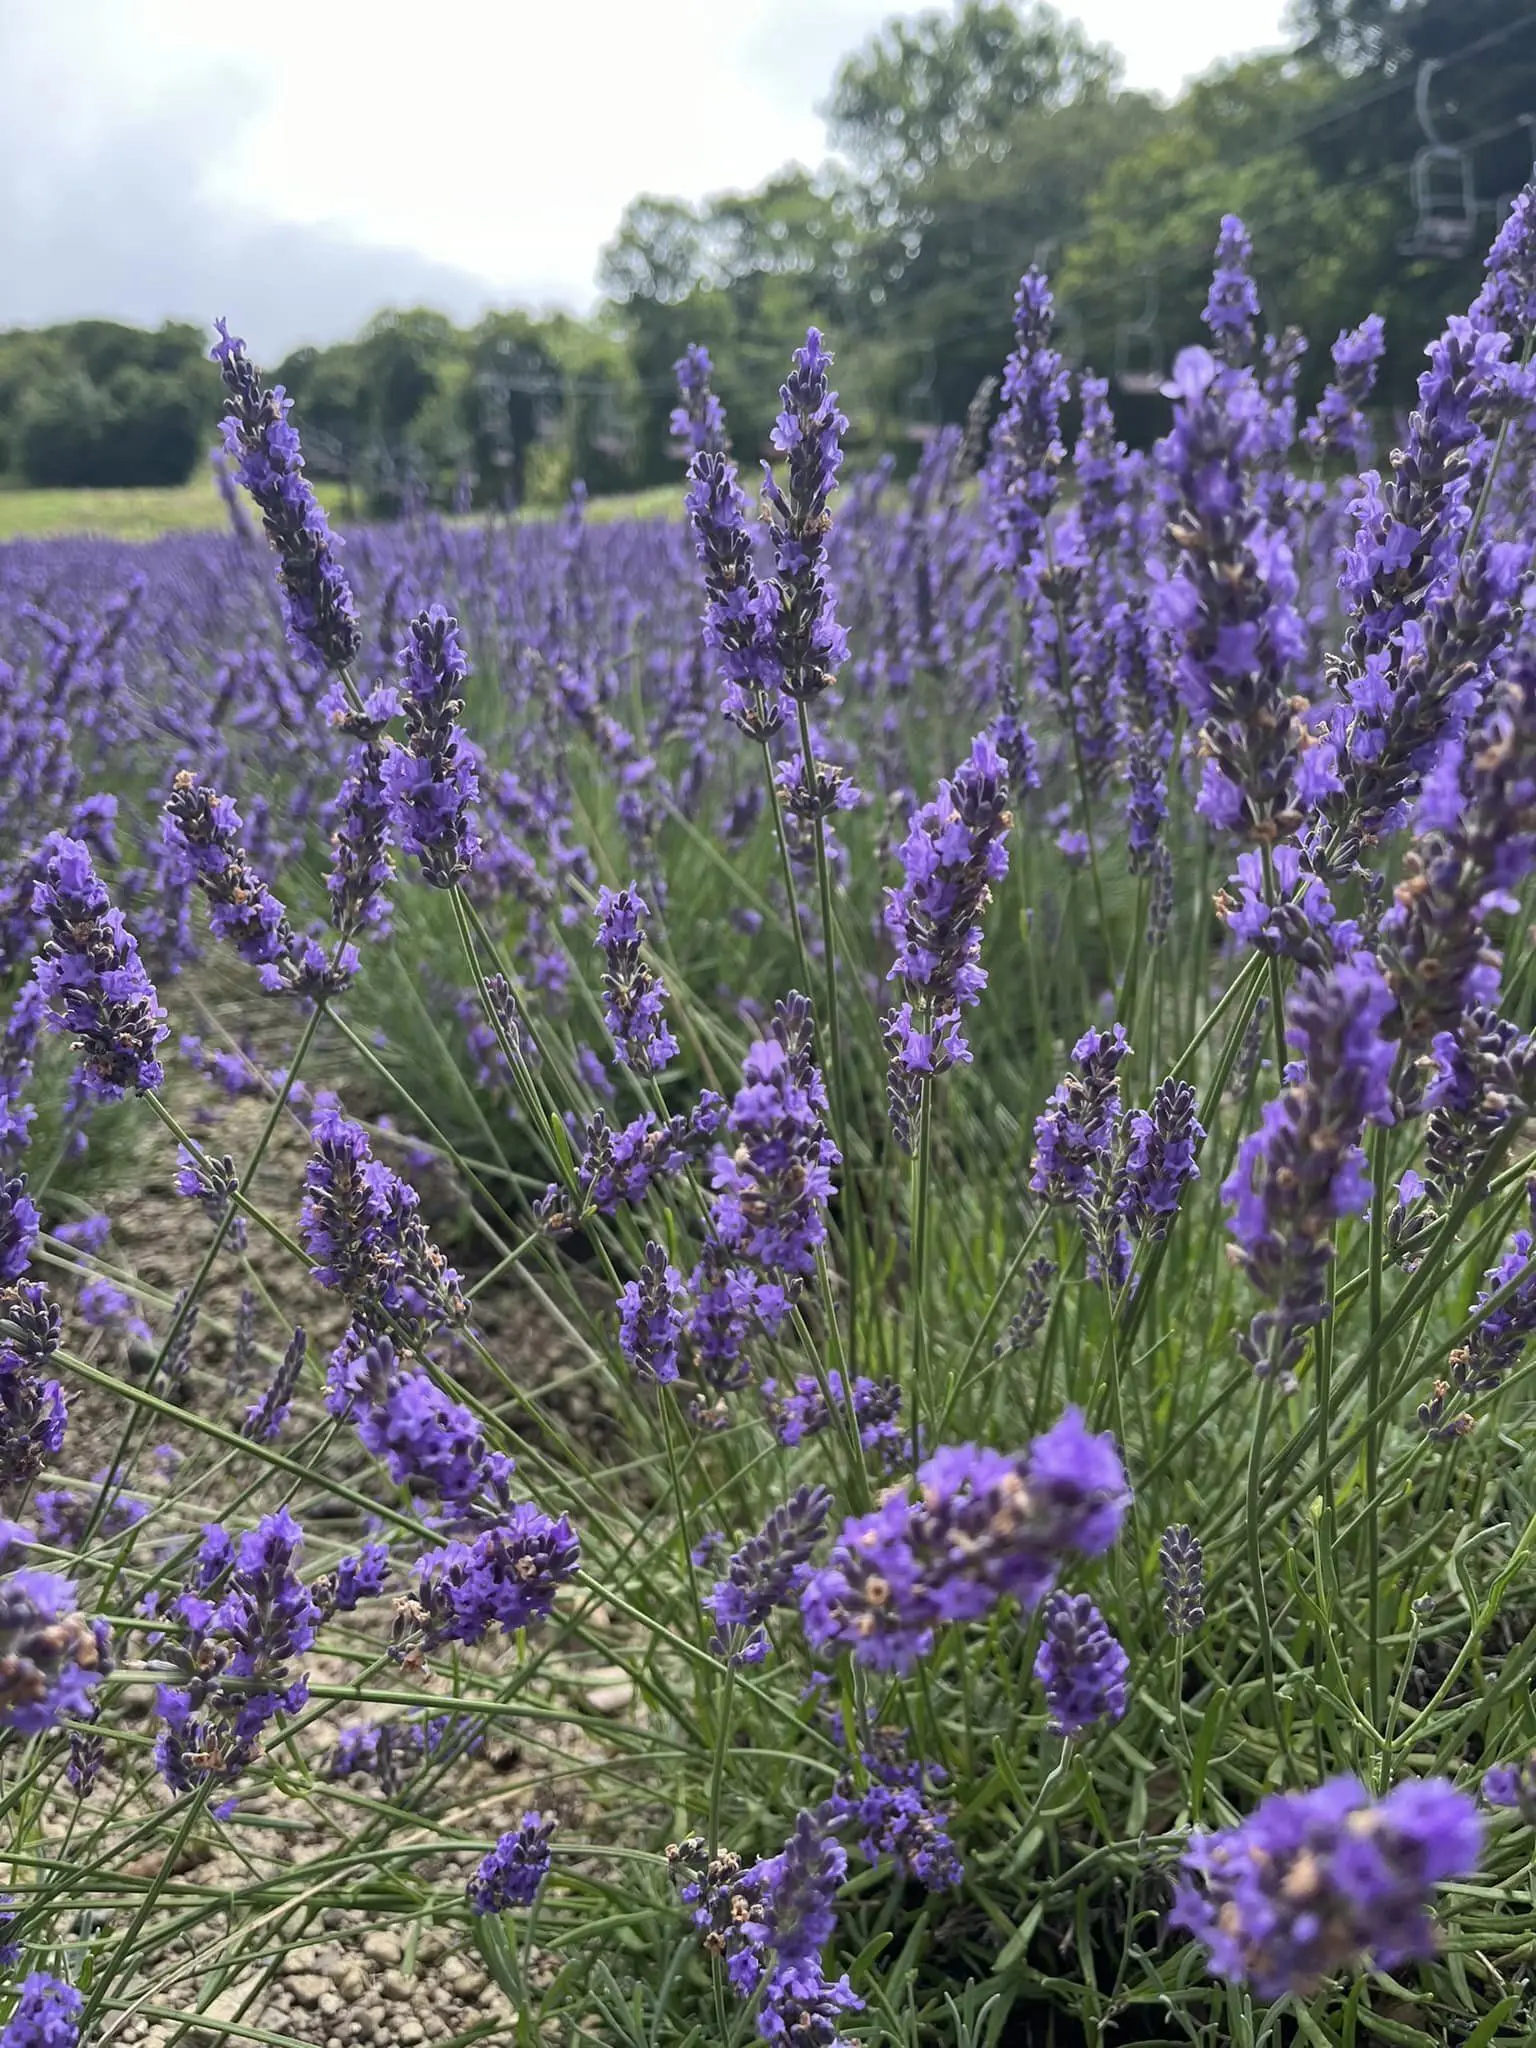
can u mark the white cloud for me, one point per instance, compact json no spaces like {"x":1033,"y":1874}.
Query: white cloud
{"x":300,"y":167}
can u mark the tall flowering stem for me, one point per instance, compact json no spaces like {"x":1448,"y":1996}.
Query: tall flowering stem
{"x":264,"y":446}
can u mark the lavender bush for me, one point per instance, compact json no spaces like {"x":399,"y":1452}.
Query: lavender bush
{"x":843,"y":1346}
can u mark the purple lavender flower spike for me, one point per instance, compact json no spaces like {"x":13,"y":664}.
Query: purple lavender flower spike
{"x":698,"y":421}
{"x":772,"y":1188}
{"x":1182,"y":1557}
{"x":264,"y":446}
{"x":1232,"y":608}
{"x":1159,"y":1163}
{"x":362,"y":865}
{"x":809,"y":644}
{"x":767,"y":1572}
{"x":650,"y":1320}
{"x":1027,"y":449}
{"x":982,"y":1527}
{"x":201,"y":829}
{"x":738,"y":612}
{"x":634,"y":1000}
{"x":92,"y":977}
{"x":47,"y":2014}
{"x":264,"y":1419}
{"x":955,"y":853}
{"x":1507,"y":301}
{"x":1080,"y":1665}
{"x":513,"y":1872}
{"x":1076,"y":1141}
{"x":1316,"y":1882}
{"x":897,"y":1815}
{"x":1232,"y":307}
{"x":51,"y":1657}
{"x":507,"y":1578}
{"x":433,"y":780}
{"x":33,"y":1411}
{"x":425,"y":1439}
{"x":18,"y":1049}
{"x":361,"y":1225}
{"x":244,"y":1620}
{"x":1303,"y":1169}
{"x":1338,"y":426}
{"x":1476,"y":844}
{"x":801,"y":1411}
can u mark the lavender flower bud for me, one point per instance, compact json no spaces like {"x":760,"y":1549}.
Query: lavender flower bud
{"x":513,"y":1872}
{"x":1159,"y":1162}
{"x":634,"y":1000}
{"x":1183,"y":1564}
{"x":264,"y":1419}
{"x":650,"y":1321}
{"x":1028,"y":1319}
{"x":772,"y":1189}
{"x":1513,"y":1785}
{"x":1080,"y":1665}
{"x":432,"y":780}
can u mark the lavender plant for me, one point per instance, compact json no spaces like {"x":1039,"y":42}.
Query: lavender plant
{"x":900,"y":1432}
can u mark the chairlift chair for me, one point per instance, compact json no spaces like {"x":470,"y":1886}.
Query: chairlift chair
{"x":1441,"y":183}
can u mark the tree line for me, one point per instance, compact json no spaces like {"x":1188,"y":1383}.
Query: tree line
{"x":1370,"y":161}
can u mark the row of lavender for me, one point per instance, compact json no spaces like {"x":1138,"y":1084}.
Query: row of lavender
{"x":731,"y":1096}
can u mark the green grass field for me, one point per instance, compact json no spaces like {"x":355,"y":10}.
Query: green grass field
{"x":144,"y":514}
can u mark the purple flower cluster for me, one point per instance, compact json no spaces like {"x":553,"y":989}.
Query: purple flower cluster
{"x":650,"y":1319}
{"x":33,"y":1412}
{"x":1027,"y":449}
{"x":433,"y":779}
{"x":1232,"y":305}
{"x":738,"y":614}
{"x":773,"y":1185}
{"x":426,"y":1440}
{"x":1080,"y":1665}
{"x":264,"y":447}
{"x":621,"y":1167}
{"x":1513,"y":1786}
{"x":512,"y":1873}
{"x":1231,"y":606}
{"x":698,"y":421}
{"x":1316,"y":1882}
{"x":506,"y":1578}
{"x":265,"y":1417}
{"x":768,"y":1925}
{"x":896,"y":1814}
{"x":1476,"y":845}
{"x":51,"y":1657}
{"x":802,"y":1410}
{"x":245,"y":1619}
{"x":1338,"y":425}
{"x":809,"y":644}
{"x":361,"y":1225}
{"x":955,"y":853}
{"x":767,"y":1572}
{"x":93,"y":979}
{"x":634,"y":1000}
{"x":46,"y":2014}
{"x":18,"y":1049}
{"x":1303,"y":1169}
{"x":201,"y":830}
{"x":362,"y":865}
{"x":982,"y":1526}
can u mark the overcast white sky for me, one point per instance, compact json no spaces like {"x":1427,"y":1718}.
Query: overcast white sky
{"x":301,"y":163}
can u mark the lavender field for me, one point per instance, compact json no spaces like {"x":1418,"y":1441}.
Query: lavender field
{"x":769,"y":1275}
